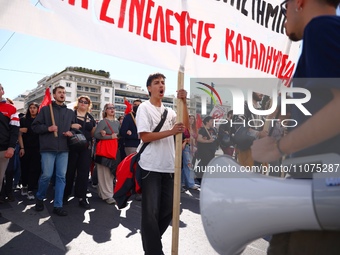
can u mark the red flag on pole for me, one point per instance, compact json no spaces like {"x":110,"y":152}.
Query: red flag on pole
{"x":128,"y":106}
{"x":198,"y":121}
{"x":47,"y":99}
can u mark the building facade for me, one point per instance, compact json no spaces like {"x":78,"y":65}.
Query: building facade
{"x":97,"y":85}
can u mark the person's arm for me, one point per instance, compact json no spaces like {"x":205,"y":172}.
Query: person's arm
{"x":182,"y":94}
{"x":126,"y":126}
{"x":93,"y":130}
{"x":13,"y":134}
{"x":100,"y":126}
{"x":153,"y":136}
{"x":39,"y":126}
{"x":21,"y":144}
{"x":204,"y":136}
{"x":321,"y":126}
{"x":100,"y":132}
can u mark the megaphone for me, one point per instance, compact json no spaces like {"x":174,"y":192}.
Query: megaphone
{"x":238,"y":206}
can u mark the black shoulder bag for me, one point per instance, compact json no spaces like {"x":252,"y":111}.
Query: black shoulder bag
{"x":78,"y":140}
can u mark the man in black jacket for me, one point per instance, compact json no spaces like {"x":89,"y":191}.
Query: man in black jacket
{"x":54,"y":148}
{"x":9,"y":130}
{"x":128,"y":129}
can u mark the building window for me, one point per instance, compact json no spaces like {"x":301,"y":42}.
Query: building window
{"x":89,"y":81}
{"x":79,"y":88}
{"x":68,"y":94}
{"x":68,"y":84}
{"x":107,"y":90}
{"x":107,"y":99}
{"x":94,"y":99}
{"x":93,"y":90}
{"x":86,"y":88}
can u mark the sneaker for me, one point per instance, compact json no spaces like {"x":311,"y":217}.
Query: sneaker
{"x":59,"y":211}
{"x":17,"y":187}
{"x":195,"y":187}
{"x":110,"y":200}
{"x":84,"y":204}
{"x":24,"y":190}
{"x":30,"y":195}
{"x":39,"y":205}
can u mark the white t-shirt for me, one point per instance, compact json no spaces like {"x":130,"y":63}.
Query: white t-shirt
{"x":159,"y":155}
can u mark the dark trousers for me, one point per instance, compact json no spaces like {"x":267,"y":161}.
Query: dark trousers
{"x":79,"y":161}
{"x":7,"y":185}
{"x":30,"y":168}
{"x":157,"y":201}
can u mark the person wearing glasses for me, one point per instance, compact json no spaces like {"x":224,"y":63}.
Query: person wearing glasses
{"x":79,"y":159}
{"x":315,"y":22}
{"x":105,"y":165}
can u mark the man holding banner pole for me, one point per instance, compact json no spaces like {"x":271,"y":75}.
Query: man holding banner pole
{"x":157,"y":162}
{"x":54,"y":149}
{"x":318,"y":70}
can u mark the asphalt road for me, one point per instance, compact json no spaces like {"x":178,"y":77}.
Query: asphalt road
{"x":101,"y":230}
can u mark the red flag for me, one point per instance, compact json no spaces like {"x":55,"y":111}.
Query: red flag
{"x":128,"y":106}
{"x":198,"y":121}
{"x":47,"y":99}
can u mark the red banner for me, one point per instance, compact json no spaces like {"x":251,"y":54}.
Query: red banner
{"x":47,"y":99}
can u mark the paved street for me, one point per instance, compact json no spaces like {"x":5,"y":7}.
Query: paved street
{"x":101,"y":230}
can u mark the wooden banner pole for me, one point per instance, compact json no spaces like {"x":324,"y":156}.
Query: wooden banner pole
{"x":53,"y":121}
{"x":178,"y":169}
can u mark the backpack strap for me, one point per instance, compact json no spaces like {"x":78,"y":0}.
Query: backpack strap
{"x":133,"y":118}
{"x":159,"y":126}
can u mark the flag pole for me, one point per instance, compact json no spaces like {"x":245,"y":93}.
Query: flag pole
{"x":52,"y":118}
{"x":178,"y":169}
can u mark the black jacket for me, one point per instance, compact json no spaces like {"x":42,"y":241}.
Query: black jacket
{"x":63,"y":117}
{"x":129,"y":124}
{"x":9,"y":126}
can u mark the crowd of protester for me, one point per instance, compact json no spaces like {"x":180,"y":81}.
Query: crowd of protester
{"x":199,"y":144}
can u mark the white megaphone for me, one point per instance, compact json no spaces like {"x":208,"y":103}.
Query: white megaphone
{"x":240,"y":207}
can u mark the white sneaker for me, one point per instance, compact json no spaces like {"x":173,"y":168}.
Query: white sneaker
{"x":110,"y":200}
{"x":195,"y":187}
{"x":30,"y":195}
{"x":24,"y":191}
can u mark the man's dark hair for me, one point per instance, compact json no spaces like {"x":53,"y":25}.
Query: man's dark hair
{"x":334,"y":3}
{"x":152,"y":77}
{"x":230,"y":113}
{"x":137,"y":100}
{"x":58,"y":87}
{"x":207,"y":119}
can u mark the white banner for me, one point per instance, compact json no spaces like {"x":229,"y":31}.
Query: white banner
{"x":210,"y":38}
